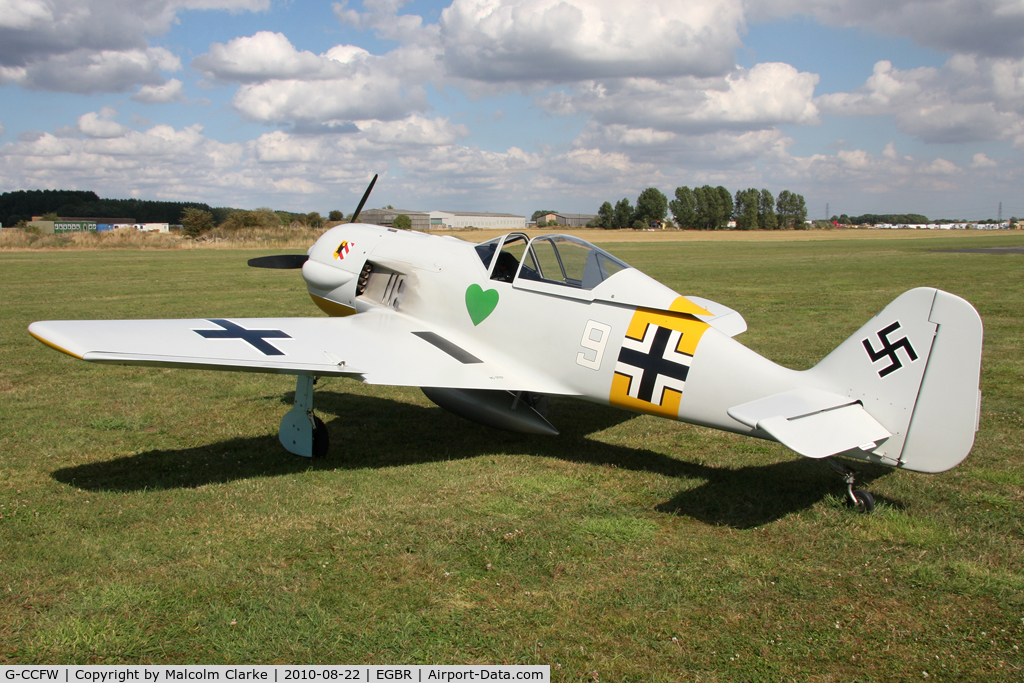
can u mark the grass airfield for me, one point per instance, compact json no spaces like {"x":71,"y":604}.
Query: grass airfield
{"x":150,"y":516}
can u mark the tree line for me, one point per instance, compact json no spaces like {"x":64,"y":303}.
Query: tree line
{"x":21,"y":205}
{"x":196,"y":221}
{"x":706,"y":208}
{"x":878,"y":218}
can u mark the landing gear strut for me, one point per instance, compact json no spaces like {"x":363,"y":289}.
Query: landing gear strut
{"x":858,"y":499}
{"x":302,"y":432}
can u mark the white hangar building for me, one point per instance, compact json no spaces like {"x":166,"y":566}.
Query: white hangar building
{"x":438,"y":220}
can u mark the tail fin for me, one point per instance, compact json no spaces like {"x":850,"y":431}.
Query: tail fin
{"x":915,"y":368}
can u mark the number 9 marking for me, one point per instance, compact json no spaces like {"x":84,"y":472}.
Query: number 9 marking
{"x":595,"y":338}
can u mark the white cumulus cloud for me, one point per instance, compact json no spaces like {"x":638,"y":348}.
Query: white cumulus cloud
{"x":257,"y":58}
{"x":382,"y":17}
{"x":969,"y":99}
{"x":985,"y":27}
{"x":101,"y":124}
{"x":24,"y":14}
{"x":92,"y":46}
{"x":362,"y":95}
{"x":981,"y":160}
{"x":280,"y":83}
{"x":559,"y":41}
{"x":762,"y":97}
{"x":171,"y":91}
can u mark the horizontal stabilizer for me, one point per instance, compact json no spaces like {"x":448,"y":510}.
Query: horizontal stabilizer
{"x":814,"y":423}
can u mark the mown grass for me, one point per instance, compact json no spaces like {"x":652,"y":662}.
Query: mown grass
{"x":150,"y":515}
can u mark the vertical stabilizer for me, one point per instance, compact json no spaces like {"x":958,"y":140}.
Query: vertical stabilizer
{"x":915,"y":368}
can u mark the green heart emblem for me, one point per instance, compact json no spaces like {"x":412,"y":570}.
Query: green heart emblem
{"x":479,"y":303}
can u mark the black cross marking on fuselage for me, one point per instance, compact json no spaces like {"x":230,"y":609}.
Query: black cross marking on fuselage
{"x":653,"y":363}
{"x":889,"y":349}
{"x":253,"y":337}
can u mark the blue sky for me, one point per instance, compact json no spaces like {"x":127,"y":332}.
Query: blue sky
{"x":515,"y":105}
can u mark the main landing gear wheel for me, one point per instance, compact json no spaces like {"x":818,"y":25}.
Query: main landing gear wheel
{"x":322,"y":439}
{"x":856,"y":499}
{"x":862,"y":501}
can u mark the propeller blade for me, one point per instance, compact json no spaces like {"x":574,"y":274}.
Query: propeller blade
{"x":279,"y":261}
{"x":366,"y":195}
{"x":291,"y":261}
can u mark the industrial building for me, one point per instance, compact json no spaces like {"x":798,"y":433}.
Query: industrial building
{"x":569,"y":220}
{"x":439,"y":220}
{"x":63,"y":226}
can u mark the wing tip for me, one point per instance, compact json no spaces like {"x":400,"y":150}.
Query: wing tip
{"x":47,"y":342}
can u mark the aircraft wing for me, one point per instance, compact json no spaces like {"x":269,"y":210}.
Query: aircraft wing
{"x":379,"y":347}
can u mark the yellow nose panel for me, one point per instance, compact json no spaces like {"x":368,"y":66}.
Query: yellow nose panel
{"x":332,"y":308}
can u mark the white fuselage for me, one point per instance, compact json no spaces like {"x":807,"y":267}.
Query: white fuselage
{"x":564,"y":339}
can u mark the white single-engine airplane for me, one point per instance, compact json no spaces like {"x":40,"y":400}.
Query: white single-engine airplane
{"x":489,"y":331}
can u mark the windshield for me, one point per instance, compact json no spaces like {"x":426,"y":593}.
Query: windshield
{"x":486,"y":251}
{"x":569,"y":261}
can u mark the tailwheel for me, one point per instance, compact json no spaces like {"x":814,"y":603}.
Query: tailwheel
{"x":861,"y":500}
{"x":856,"y":499}
{"x":321,"y":438}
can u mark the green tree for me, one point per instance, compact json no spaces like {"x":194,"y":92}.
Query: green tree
{"x":651,"y":206}
{"x":683,"y":208}
{"x":240,"y":219}
{"x":606,"y":216}
{"x":783,"y":206}
{"x":244,"y":219}
{"x":766,"y":217}
{"x":336,"y":215}
{"x":402,"y":222}
{"x":714,"y":207}
{"x":623,"y":214}
{"x":314,"y":219}
{"x":745,"y":209}
{"x":268,"y":218}
{"x":725,"y":207}
{"x":221,"y":214}
{"x":287,"y":217}
{"x":792,"y":210}
{"x":194,"y":222}
{"x":703,"y":207}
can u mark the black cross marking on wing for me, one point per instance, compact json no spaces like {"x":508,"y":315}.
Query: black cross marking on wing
{"x":255,"y":338}
{"x":889,"y":349}
{"x":653,"y":364}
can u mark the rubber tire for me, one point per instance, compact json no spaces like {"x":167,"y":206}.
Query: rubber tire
{"x":865,"y":501}
{"x":321,"y":439}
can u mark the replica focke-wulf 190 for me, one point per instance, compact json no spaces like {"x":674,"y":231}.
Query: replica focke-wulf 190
{"x":489,"y":331}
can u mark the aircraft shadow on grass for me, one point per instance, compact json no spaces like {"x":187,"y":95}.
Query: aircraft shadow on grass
{"x":369,"y":432}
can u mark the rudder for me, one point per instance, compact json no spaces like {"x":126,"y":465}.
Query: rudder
{"x":948,"y":407}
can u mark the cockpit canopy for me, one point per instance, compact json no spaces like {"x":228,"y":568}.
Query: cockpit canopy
{"x":552,"y":259}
